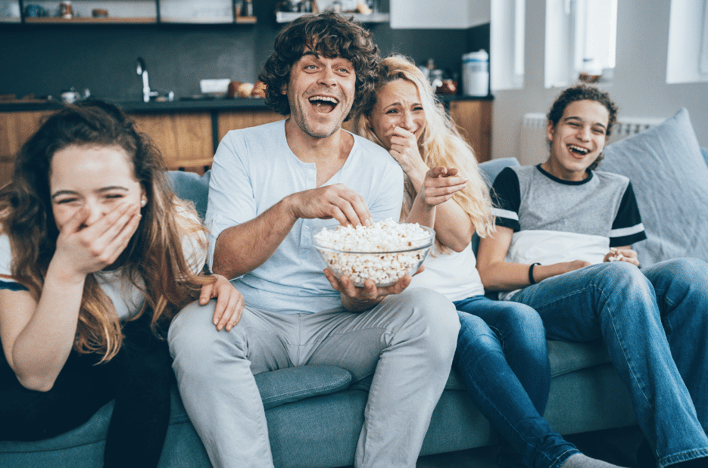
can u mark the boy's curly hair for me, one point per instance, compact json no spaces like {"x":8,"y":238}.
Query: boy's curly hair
{"x":331,"y":35}
{"x":583,"y":92}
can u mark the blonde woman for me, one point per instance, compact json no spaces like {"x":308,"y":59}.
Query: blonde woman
{"x":96,"y":257}
{"x":501,"y":350}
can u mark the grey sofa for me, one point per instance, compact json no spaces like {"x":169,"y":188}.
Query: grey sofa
{"x":315,"y":413}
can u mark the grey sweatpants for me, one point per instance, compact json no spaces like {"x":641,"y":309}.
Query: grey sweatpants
{"x":407,"y":342}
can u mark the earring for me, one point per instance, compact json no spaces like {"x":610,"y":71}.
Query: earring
{"x":143,"y":202}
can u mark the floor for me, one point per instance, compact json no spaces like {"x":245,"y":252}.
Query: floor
{"x":616,"y":446}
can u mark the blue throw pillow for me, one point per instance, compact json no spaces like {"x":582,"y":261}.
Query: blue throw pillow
{"x":670,"y":179}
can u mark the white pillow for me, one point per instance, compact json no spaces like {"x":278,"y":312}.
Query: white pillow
{"x":670,"y":179}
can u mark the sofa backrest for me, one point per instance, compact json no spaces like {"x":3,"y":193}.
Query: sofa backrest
{"x":191,"y":187}
{"x":490,"y":170}
{"x":195,"y":188}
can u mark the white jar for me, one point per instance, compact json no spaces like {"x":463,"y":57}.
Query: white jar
{"x":475,"y":73}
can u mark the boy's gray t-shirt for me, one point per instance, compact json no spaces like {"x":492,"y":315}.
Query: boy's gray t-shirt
{"x":555,"y":220}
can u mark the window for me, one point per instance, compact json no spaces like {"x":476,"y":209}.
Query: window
{"x":703,"y":64}
{"x":507,"y":44}
{"x":687,"y":60}
{"x":581,"y":38}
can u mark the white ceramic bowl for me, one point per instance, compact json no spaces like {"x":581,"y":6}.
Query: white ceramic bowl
{"x":384,"y":267}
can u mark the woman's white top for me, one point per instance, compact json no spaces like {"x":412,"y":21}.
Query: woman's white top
{"x":452,"y":274}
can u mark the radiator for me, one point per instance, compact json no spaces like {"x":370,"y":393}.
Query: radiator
{"x":534,"y":145}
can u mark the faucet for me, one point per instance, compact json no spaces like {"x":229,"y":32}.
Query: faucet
{"x":142,"y":72}
{"x":148,"y":94}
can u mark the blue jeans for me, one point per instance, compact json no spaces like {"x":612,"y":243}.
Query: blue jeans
{"x":654,"y":322}
{"x":502,"y":359}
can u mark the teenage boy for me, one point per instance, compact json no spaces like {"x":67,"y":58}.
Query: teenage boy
{"x":563,"y":247}
{"x":273,"y":187}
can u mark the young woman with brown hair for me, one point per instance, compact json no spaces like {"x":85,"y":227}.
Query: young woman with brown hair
{"x":96,"y":256}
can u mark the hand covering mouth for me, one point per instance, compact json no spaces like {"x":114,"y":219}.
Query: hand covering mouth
{"x":578,"y":150}
{"x":324,"y":103}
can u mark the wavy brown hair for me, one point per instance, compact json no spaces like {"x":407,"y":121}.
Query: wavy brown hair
{"x":330,"y":35}
{"x":153,"y":260}
{"x":583,"y":92}
{"x":440,"y":144}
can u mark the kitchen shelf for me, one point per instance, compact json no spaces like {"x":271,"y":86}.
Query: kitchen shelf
{"x":90,"y":20}
{"x":198,"y":20}
{"x":246,"y":20}
{"x":286,"y":17}
{"x":208,"y":20}
{"x":139,"y":12}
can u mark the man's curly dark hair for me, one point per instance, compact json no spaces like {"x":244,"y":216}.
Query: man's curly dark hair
{"x":583,"y":92}
{"x":331,"y":35}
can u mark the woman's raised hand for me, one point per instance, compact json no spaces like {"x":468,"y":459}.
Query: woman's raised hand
{"x":404,"y":149}
{"x":440,"y":184}
{"x":86,"y":246}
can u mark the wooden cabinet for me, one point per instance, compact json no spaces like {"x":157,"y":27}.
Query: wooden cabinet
{"x":474,"y":122}
{"x":183,"y":138}
{"x":230,"y":120}
{"x":188,"y":138}
{"x":15,"y":130}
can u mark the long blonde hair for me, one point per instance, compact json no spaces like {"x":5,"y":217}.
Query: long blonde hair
{"x":440,"y":144}
{"x":153,"y":261}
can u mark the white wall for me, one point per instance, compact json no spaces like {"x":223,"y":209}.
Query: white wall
{"x":639,"y":86}
{"x":438,"y":14}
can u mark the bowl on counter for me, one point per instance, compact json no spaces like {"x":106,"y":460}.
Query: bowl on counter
{"x":383,"y":253}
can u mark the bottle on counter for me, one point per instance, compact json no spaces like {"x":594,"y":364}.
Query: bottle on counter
{"x":65,"y":10}
{"x":475,"y":73}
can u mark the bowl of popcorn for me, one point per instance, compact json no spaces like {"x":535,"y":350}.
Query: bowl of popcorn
{"x":384,"y":252}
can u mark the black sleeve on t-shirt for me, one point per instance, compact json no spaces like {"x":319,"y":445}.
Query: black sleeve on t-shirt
{"x":506,"y":199}
{"x":627,"y":227}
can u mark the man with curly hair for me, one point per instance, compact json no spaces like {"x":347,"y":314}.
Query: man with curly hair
{"x":272,"y":187}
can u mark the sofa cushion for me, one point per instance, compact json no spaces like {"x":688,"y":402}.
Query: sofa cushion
{"x":297,"y":383}
{"x":670,"y":179}
{"x":276,"y":388}
{"x":192,"y":187}
{"x":566,"y":356}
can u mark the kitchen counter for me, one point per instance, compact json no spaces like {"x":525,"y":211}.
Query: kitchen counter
{"x":216,"y":104}
{"x":139,"y":106}
{"x":187,"y":132}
